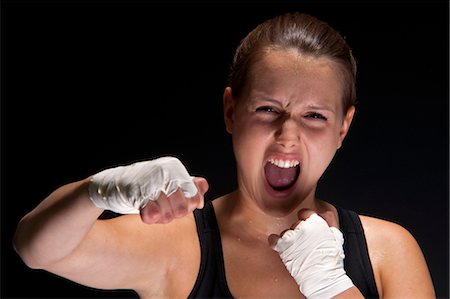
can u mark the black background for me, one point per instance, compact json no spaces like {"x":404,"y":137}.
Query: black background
{"x":92,"y":84}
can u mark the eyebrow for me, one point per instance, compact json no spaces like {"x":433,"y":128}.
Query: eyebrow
{"x":259,"y":99}
{"x":313,"y":106}
{"x":320,"y":107}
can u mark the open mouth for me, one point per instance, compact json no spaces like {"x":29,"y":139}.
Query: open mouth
{"x":281,"y":175}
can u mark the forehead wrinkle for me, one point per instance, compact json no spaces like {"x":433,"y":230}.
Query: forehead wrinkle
{"x":265,"y":97}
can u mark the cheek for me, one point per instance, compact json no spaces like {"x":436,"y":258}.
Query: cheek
{"x":325,"y":142}
{"x":248,"y":137}
{"x":321,"y":145}
{"x":324,"y":138}
{"x":250,"y":130}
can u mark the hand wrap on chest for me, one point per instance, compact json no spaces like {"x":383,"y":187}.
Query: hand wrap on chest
{"x":314,"y":256}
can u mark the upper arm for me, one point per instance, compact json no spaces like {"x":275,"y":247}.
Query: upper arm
{"x":399,"y":262}
{"x":125,"y":253}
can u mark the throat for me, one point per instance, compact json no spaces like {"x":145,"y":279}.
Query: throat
{"x":249,"y":218}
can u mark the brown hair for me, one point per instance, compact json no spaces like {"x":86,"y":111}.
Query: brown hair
{"x":299,"y":31}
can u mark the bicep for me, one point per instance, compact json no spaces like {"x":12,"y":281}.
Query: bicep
{"x":116,"y":255}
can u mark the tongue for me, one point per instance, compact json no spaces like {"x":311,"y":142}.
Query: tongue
{"x":280,"y":178}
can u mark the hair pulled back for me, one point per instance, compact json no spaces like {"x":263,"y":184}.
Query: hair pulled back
{"x":303,"y":32}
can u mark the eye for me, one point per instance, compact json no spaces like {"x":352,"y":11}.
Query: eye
{"x":315,"y":115}
{"x":266,"y":109}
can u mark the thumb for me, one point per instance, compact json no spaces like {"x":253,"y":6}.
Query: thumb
{"x":202,"y":184}
{"x":202,"y":187}
{"x":273,"y":240}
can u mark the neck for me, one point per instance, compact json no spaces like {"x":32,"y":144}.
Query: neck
{"x":254,"y":219}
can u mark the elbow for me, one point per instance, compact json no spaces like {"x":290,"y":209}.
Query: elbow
{"x":22,"y":246}
{"x":23,"y":254}
{"x":26,"y":258}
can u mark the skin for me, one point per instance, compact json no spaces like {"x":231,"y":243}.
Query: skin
{"x":291,"y":110}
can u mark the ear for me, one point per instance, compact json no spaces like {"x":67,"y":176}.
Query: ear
{"x":228,"y":109}
{"x":346,"y":124}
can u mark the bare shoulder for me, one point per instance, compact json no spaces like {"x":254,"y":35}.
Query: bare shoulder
{"x":386,"y":235}
{"x":399,"y":265}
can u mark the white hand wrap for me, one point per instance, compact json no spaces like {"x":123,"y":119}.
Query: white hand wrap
{"x":313,"y":255}
{"x":127,"y":189}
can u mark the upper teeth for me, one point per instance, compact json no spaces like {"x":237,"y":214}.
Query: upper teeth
{"x":284,"y":164}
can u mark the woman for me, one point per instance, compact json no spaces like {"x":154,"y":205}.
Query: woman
{"x":288,"y":107}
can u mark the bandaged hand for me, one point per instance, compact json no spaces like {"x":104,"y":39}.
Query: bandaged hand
{"x":159,"y":189}
{"x":313,"y":254}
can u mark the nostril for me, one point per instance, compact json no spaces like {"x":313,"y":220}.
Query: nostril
{"x":288,"y":134}
{"x":288,"y":142}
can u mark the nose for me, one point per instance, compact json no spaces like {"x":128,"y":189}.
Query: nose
{"x":288,"y":134}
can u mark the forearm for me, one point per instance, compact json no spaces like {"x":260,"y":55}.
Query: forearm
{"x":56,"y":226}
{"x":60,"y":223}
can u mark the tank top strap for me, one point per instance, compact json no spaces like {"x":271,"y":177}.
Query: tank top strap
{"x":357,"y":262}
{"x":211,"y":280}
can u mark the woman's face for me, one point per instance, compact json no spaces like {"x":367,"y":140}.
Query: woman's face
{"x":286,"y":128}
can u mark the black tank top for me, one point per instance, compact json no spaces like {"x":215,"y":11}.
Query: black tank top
{"x":211,"y":281}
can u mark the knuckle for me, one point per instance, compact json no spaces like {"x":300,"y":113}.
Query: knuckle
{"x":166,"y":218}
{"x":180,"y":211}
{"x":150,"y":216}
